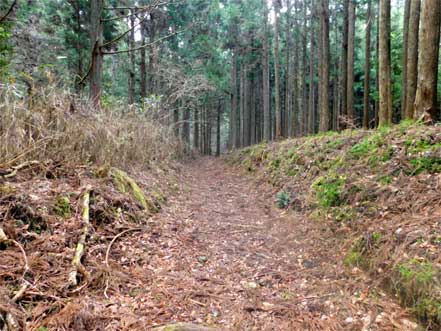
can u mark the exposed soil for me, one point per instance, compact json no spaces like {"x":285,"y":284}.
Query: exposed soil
{"x":237,"y":262}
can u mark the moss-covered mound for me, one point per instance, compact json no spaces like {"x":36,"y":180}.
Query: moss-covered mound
{"x":382,"y":187}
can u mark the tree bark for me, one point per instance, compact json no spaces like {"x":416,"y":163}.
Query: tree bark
{"x":385,"y":111}
{"x":367,"y":66}
{"x":405,"y":49}
{"x":152,"y":51}
{"x":288,"y":76}
{"x":311,"y":106}
{"x":131,"y":45}
{"x":324,"y":67}
{"x":96,"y":37}
{"x":242,"y":105}
{"x":142,"y":67}
{"x":196,"y":128}
{"x":265,"y":78}
{"x":429,"y":37}
{"x":277,"y":70}
{"x":235,"y":142}
{"x":218,"y":128}
{"x":351,"y":59}
{"x":412,"y":59}
{"x":304,"y":102}
{"x":344,"y":60}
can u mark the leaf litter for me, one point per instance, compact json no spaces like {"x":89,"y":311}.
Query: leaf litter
{"x":218,"y":254}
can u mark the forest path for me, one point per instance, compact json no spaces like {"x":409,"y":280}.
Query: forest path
{"x":231,"y":259}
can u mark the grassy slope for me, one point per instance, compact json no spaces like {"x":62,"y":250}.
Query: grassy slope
{"x":380,"y":190}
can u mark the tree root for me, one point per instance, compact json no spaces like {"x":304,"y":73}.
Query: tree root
{"x":79,"y":251}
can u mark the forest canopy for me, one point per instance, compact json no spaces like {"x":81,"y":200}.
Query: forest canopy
{"x":233,"y":73}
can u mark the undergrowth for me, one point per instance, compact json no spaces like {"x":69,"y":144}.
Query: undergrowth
{"x":382,"y":186}
{"x":54,"y":124}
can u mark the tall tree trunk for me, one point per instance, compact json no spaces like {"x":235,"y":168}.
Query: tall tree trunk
{"x":367,"y":66}
{"x":186,"y":124}
{"x":351,"y":45}
{"x":96,"y":37}
{"x":311,"y":106}
{"x":218,"y":128}
{"x":288,"y":77}
{"x":296,"y":111}
{"x":235,"y":141}
{"x":196,"y":128}
{"x":253,"y":111}
{"x":247,"y":109}
{"x":377,"y":66}
{"x":277,"y":70}
{"x":131,"y":45}
{"x":152,"y":51}
{"x":324,"y":67}
{"x":78,"y":46}
{"x":429,"y":37}
{"x":412,"y":59}
{"x":265,"y":78}
{"x":242,"y":74}
{"x":344,"y":60}
{"x":142,"y":66}
{"x":405,"y":49}
{"x":385,"y":111}
{"x":304,"y":102}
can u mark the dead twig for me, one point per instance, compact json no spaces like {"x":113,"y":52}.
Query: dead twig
{"x":114,"y":239}
{"x":11,"y":172}
{"x":79,"y":251}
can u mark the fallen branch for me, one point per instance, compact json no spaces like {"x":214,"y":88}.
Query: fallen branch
{"x":114,"y":239}
{"x":108,"y":252}
{"x":11,"y":172}
{"x":79,"y":251}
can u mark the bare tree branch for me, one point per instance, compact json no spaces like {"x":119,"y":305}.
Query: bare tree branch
{"x":8,"y":11}
{"x":145,"y":45}
{"x":138,"y":10}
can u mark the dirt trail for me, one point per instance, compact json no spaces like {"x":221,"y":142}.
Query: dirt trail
{"x":231,"y":259}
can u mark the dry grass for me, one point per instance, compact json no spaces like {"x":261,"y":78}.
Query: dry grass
{"x":59,"y":126}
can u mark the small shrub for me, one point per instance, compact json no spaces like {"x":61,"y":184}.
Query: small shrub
{"x":283,"y":199}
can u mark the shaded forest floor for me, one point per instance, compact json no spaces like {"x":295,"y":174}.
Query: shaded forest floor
{"x":208,"y":245}
{"x":233,"y":260}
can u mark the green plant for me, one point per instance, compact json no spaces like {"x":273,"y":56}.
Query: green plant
{"x":431,"y":164}
{"x":283,"y":199}
{"x":329,"y":190}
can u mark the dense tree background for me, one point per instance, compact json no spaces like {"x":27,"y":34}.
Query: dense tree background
{"x":231,"y":73}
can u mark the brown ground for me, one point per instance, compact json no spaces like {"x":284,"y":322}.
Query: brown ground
{"x":220,"y":253}
{"x":233,"y":260}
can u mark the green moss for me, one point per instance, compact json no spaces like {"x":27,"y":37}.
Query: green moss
{"x":126,"y":184}
{"x":275,"y":164}
{"x":6,"y":189}
{"x":419,"y":271}
{"x":417,"y":287}
{"x":62,"y":207}
{"x":363,"y":149}
{"x":353,"y":258}
{"x":343,"y":213}
{"x":328,"y":190}
{"x":385,"y":179}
